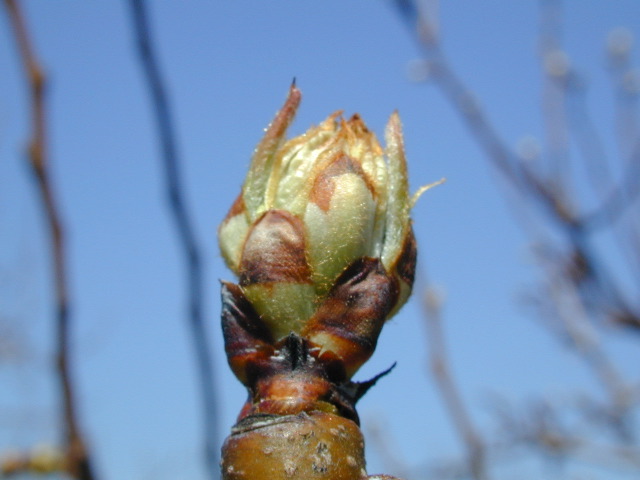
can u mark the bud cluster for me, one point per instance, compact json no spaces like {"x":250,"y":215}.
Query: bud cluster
{"x":320,"y":236}
{"x":321,"y":241}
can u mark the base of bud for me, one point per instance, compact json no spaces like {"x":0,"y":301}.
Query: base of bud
{"x":307,"y":446}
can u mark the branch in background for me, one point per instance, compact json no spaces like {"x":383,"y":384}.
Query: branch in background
{"x":425,"y":31}
{"x":77,"y":456}
{"x":185,"y":231}
{"x":581,"y":291}
{"x":570,"y":314}
{"x":625,"y":78}
{"x":554,"y":93}
{"x":544,"y":427}
{"x":539,"y":190}
{"x":581,"y":286}
{"x":476,"y":456}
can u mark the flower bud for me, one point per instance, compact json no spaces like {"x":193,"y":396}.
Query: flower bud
{"x":321,"y":241}
{"x":320,"y":236}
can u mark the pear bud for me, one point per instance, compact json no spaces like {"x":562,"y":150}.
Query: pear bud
{"x":310,"y":209}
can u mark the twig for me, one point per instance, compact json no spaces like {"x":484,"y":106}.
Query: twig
{"x":185,"y":231}
{"x":541,"y":427}
{"x":624,"y":77}
{"x":518,"y":174}
{"x":451,"y":396}
{"x":626,"y":80}
{"x":455,"y":91}
{"x":554,"y":92}
{"x":566,"y":111}
{"x":543,"y":194}
{"x":588,"y":288}
{"x":572,"y":315}
{"x":78,"y":460}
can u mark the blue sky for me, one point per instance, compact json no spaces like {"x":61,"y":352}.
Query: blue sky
{"x":228,"y":66}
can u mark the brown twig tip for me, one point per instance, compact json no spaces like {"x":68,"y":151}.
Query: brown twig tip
{"x":286,"y":114}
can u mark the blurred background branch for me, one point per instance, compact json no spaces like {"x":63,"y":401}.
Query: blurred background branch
{"x":77,"y":458}
{"x":185,"y":230}
{"x":581,"y":299}
{"x":445,"y":382}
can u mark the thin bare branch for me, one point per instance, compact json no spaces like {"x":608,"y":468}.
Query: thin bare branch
{"x":454,"y":90}
{"x":476,"y":456}
{"x":626,"y":88}
{"x":77,"y":455}
{"x":184,"y":229}
{"x":570,"y":311}
{"x":541,"y":427}
{"x":547,"y":196}
{"x":554,"y":63}
{"x":582,"y":290}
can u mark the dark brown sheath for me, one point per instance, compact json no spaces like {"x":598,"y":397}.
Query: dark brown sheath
{"x":300,"y":421}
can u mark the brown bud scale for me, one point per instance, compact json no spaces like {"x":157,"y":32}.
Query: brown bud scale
{"x":323,"y":186}
{"x":406,"y":266}
{"x":275,"y":251}
{"x":237,"y":208}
